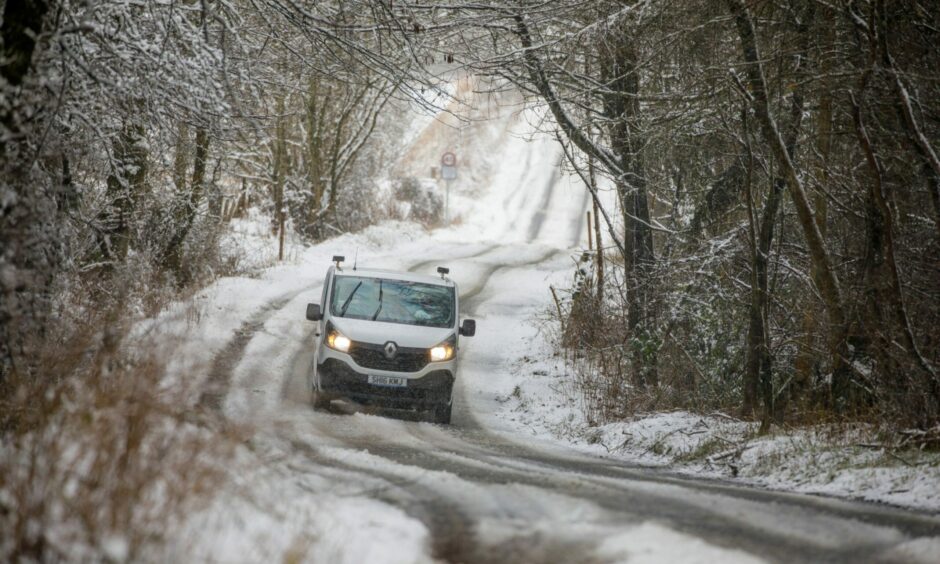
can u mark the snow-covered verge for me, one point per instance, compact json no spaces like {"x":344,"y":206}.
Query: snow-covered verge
{"x":845,"y":461}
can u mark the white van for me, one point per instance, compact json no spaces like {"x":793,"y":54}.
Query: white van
{"x":387,"y":338}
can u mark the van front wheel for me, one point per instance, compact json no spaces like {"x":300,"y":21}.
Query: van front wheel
{"x":441,"y":414}
{"x":318,"y":399}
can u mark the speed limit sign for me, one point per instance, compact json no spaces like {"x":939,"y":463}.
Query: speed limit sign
{"x":449,"y":166}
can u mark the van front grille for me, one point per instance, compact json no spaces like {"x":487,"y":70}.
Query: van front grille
{"x":368,"y":355}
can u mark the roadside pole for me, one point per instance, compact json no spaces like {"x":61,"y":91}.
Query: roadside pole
{"x":448,"y":174}
{"x":447,"y":202}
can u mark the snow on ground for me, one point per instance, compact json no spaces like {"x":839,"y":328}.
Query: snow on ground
{"x":269,"y":514}
{"x":651,"y":543}
{"x":518,"y":513}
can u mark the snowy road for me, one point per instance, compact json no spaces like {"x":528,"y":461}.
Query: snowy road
{"x":483,"y":490}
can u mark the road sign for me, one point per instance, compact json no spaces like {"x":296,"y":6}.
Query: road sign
{"x":449,"y":166}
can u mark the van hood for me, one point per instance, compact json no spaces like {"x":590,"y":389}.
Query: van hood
{"x":381,"y":332}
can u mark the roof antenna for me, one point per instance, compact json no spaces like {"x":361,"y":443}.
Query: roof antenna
{"x":356,"y":259}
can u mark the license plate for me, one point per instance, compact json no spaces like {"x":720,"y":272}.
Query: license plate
{"x":393,"y":381}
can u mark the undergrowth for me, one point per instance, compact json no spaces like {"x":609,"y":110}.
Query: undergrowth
{"x":99,"y":455}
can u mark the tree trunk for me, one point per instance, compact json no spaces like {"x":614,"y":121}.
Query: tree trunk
{"x":882,"y":279}
{"x":827,"y":281}
{"x":181,"y":157}
{"x":200,"y":161}
{"x":805,"y":359}
{"x":758,"y":371}
{"x":24,"y":258}
{"x":759,"y":365}
{"x":124,"y":186}
{"x":316,"y":116}
{"x":280,"y":176}
{"x":622,"y":108}
{"x":597,"y":237}
{"x":187,"y":207}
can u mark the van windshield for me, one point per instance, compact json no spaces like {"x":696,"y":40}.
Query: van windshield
{"x":393,"y":301}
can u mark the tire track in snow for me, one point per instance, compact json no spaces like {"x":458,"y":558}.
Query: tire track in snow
{"x":452,"y":529}
{"x":538,"y":218}
{"x":418,"y":490}
{"x":223,"y":365}
{"x":452,"y":537}
{"x":427,"y":263}
{"x":794,"y":528}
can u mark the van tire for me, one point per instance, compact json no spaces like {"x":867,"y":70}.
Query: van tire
{"x":441,"y":414}
{"x":319,"y":400}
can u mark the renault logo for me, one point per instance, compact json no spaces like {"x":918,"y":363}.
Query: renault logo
{"x":391,"y":349}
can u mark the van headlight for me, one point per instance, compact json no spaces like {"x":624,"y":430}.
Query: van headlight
{"x":444,"y":351}
{"x":337,"y":341}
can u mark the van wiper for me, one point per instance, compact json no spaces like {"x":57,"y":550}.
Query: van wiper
{"x":342,"y":310}
{"x":374,"y":317}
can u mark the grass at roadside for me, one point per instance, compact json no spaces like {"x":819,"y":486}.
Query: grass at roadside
{"x":98,"y":455}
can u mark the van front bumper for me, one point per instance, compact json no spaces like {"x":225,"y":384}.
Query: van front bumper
{"x":432,"y":389}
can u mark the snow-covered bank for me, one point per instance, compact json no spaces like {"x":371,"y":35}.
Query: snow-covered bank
{"x":845,"y":461}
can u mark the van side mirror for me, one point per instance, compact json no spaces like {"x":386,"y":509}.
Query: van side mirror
{"x":314,"y":313}
{"x":468,"y":328}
